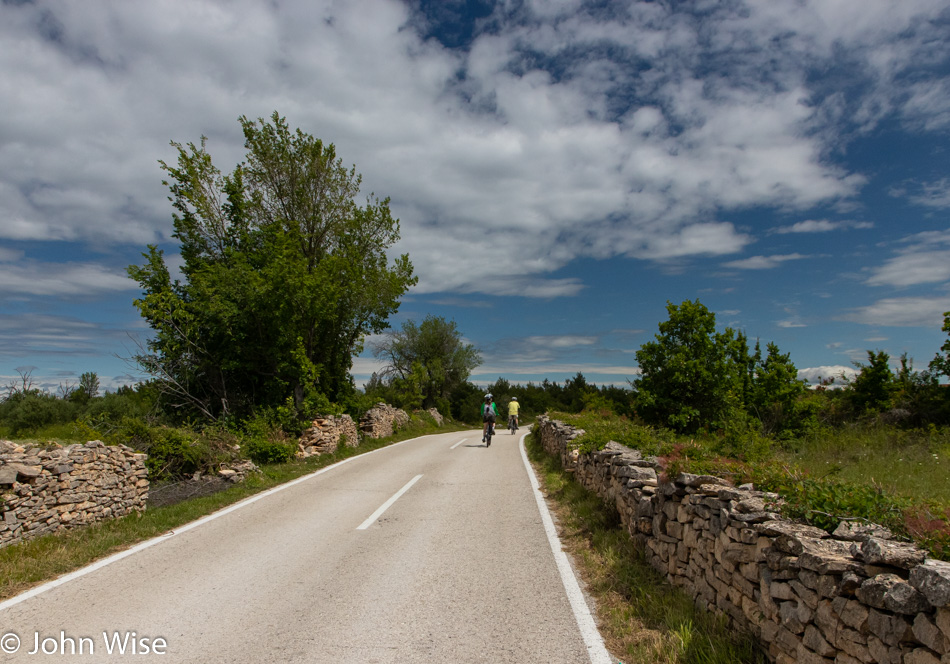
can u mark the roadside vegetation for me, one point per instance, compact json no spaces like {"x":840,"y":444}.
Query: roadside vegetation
{"x":641,"y":617}
{"x":876,"y":447}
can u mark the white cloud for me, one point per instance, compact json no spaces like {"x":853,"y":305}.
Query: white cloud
{"x":901,"y":312}
{"x":922,"y":262}
{"x":790,"y":323}
{"x":815,"y":374}
{"x":62,"y":279}
{"x":561,"y":341}
{"x":553,"y":165}
{"x":763,"y":262}
{"x":821,"y":226}
{"x":931,"y":194}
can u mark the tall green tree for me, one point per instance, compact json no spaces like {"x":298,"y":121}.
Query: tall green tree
{"x":693,"y":376}
{"x":776,"y":389}
{"x":284,"y":274}
{"x":430,"y":357}
{"x":689,"y":373}
{"x":872,"y":388}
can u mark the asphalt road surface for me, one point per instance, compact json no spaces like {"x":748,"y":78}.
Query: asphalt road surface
{"x":431,"y":550}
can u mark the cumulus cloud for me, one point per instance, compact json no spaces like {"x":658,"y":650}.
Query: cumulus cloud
{"x":815,"y":375}
{"x":625,"y":148}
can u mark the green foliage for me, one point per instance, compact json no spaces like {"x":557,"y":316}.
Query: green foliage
{"x":941,"y":362}
{"x":776,"y":391}
{"x":27,"y":411}
{"x":741,"y":438}
{"x":88,"y":388}
{"x":261,"y":450}
{"x":871,"y":389}
{"x":883,"y":474}
{"x":426,"y":362}
{"x":686,"y":371}
{"x":696,"y":378}
{"x":284,"y":274}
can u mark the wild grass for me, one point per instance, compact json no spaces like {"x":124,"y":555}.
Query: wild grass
{"x":33,"y":562}
{"x":910,"y":463}
{"x":897,"y":477}
{"x":642,"y":617}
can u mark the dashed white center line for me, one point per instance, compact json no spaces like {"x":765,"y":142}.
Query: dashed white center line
{"x":458,"y":443}
{"x":389,"y":503}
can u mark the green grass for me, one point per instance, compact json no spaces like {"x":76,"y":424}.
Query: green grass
{"x":896,"y":477}
{"x":643,"y":618}
{"x":914,"y":464}
{"x":36,"y":561}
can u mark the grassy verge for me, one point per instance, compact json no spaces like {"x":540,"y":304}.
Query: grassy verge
{"x":30,"y":563}
{"x":898,"y":478}
{"x":643,"y":618}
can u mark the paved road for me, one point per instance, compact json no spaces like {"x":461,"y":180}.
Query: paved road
{"x":457,"y":569}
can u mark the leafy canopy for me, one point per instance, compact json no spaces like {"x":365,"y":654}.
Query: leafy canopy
{"x":426,"y":362}
{"x":284,"y":273}
{"x":694,"y":377}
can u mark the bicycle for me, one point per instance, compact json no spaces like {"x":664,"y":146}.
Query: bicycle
{"x":512,"y":424}
{"x":489,"y":433}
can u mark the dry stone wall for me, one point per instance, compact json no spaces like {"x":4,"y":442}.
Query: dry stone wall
{"x":324,"y":436}
{"x":383,"y":420}
{"x":48,"y":490}
{"x":854,"y":597}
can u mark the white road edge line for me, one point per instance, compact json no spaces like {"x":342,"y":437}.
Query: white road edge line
{"x":389,"y":503}
{"x":99,"y":564}
{"x":458,"y":443}
{"x":596,"y":649}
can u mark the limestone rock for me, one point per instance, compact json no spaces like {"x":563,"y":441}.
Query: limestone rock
{"x":383,"y":420}
{"x":933,"y":579}
{"x":325,"y":434}
{"x":853,"y":531}
{"x":896,"y":554}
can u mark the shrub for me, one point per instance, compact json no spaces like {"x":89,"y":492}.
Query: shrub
{"x":171,"y":452}
{"x":31,"y":410}
{"x":260,"y":450}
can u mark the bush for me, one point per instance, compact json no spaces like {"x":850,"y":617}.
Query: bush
{"x":260,"y":450}
{"x":173,"y":453}
{"x":28,"y":411}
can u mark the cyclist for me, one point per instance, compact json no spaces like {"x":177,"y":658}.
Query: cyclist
{"x":513,"y":408}
{"x":489,"y":414}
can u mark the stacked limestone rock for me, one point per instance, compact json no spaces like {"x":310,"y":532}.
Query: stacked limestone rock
{"x":47,"y":490}
{"x":324,"y":436}
{"x":383,"y":420}
{"x":849,"y":598}
{"x":436,"y":415}
{"x":237,"y":471}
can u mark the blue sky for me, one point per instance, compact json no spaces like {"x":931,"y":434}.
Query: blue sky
{"x":561,"y":169}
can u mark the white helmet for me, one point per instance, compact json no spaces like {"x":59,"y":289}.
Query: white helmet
{"x":514,"y":398}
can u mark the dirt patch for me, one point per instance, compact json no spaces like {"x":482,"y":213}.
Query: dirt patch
{"x":171,"y":493}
